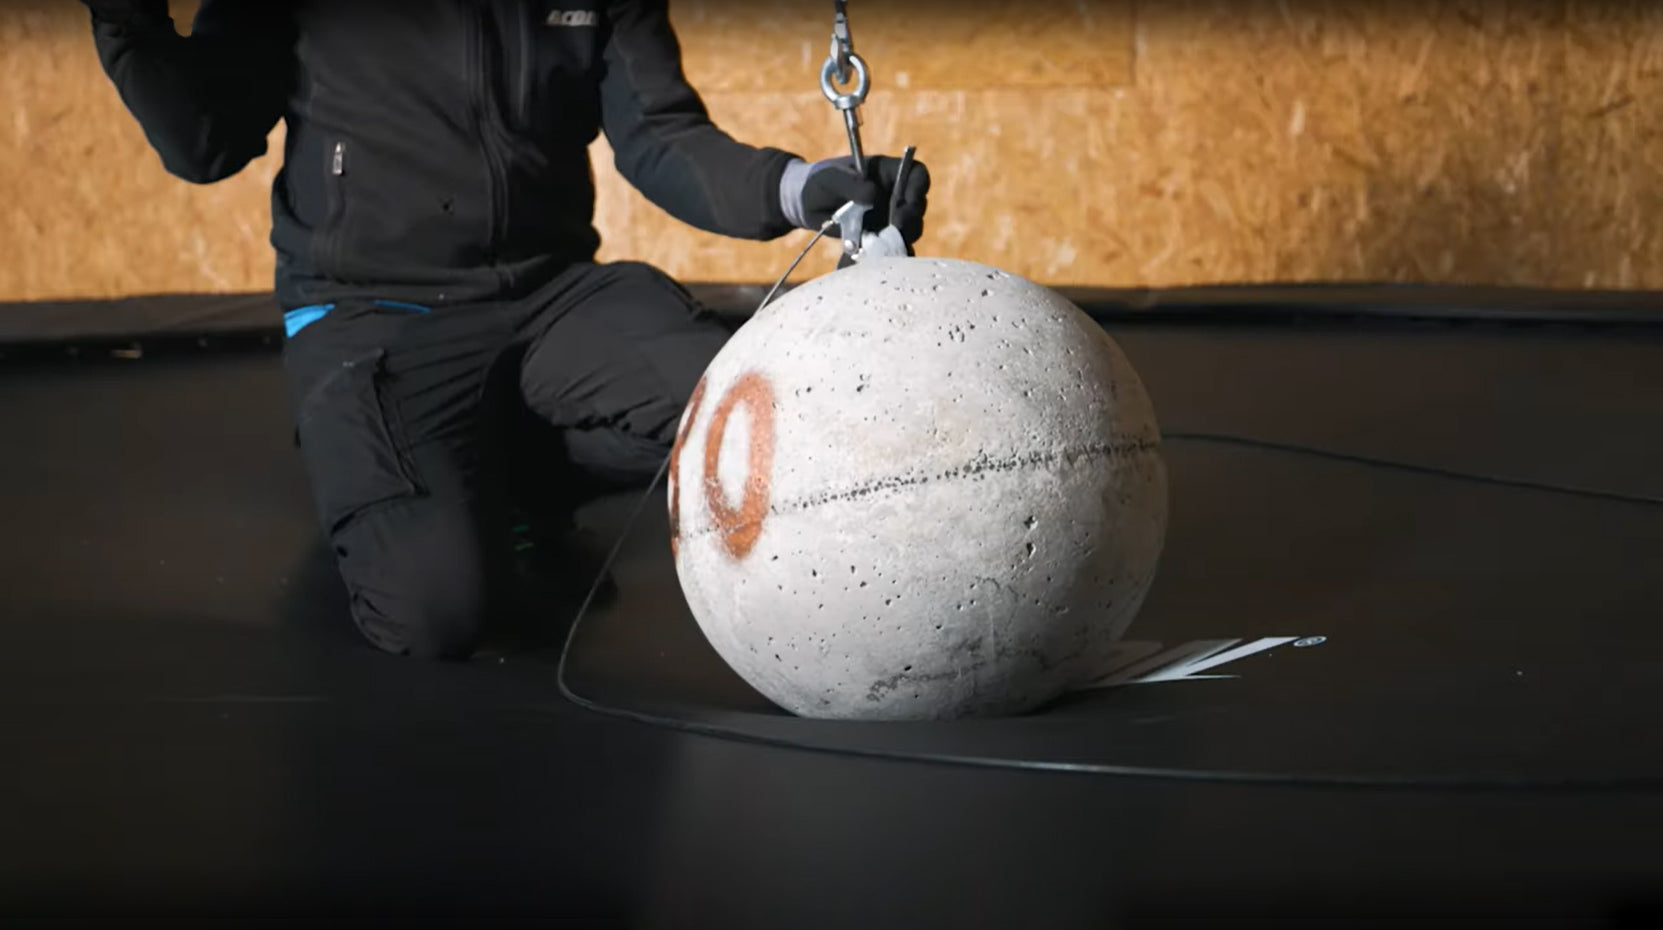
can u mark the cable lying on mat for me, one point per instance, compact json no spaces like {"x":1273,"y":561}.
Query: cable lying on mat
{"x":1430,"y":470}
{"x":1374,"y":782}
{"x":1417,"y":782}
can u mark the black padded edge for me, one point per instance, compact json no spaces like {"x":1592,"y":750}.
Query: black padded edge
{"x":128,"y":326}
{"x":145,"y":316}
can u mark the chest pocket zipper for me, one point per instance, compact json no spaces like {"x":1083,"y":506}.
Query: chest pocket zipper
{"x":330,"y":236}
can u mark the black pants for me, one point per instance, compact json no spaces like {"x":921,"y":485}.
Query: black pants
{"x":423,"y":430}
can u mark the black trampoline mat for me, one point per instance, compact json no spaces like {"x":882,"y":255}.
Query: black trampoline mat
{"x":193,"y":727}
{"x":1451,"y":542}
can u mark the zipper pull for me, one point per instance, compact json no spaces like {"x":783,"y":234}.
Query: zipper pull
{"x":337,"y":165}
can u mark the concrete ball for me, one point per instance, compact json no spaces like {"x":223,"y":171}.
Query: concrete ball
{"x":917,"y":489}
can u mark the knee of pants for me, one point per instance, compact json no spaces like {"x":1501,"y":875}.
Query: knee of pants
{"x":609,"y":460}
{"x":631,"y":270}
{"x":624,"y":354}
{"x":419,"y":587}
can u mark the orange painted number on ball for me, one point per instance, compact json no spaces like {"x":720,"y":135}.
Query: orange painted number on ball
{"x":739,"y":527}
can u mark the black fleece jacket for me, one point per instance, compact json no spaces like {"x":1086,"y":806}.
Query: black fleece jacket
{"x":437,"y":150}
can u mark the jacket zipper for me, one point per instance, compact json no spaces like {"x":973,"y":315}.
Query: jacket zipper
{"x":479,"y":76}
{"x":522,"y":90}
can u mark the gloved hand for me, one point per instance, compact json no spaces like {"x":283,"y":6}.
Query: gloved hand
{"x":811,"y":192}
{"x":127,"y":12}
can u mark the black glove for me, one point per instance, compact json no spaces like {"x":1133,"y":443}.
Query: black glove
{"x":128,"y":12}
{"x":811,"y":193}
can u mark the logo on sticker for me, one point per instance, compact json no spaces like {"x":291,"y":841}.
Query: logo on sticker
{"x":570,"y":18}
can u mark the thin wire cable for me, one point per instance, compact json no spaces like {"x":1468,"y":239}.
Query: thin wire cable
{"x":1485,"y":783}
{"x":795,"y":262}
{"x":1429,"y":470}
{"x":1403,"y":782}
{"x":663,"y":467}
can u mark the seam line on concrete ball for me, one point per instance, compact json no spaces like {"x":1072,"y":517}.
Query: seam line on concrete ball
{"x":976,"y":468}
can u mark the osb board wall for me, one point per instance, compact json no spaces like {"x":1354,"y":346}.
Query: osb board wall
{"x":1092,"y":142}
{"x":85,"y":207}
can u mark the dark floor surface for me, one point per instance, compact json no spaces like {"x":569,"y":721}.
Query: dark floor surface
{"x":189,"y":728}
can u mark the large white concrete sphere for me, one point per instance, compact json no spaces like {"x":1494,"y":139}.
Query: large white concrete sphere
{"x":914,"y":489}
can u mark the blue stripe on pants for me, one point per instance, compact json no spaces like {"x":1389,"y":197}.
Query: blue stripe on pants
{"x":301,"y":317}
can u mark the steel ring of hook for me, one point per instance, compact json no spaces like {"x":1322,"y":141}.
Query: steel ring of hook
{"x":841,"y":100}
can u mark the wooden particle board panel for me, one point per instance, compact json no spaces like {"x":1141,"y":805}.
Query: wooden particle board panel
{"x":1610,"y":234}
{"x":1328,"y":141}
{"x":85,"y":207}
{"x":1101,"y":142}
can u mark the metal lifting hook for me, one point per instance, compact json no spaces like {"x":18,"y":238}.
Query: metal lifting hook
{"x":837,"y":67}
{"x":851,"y":219}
